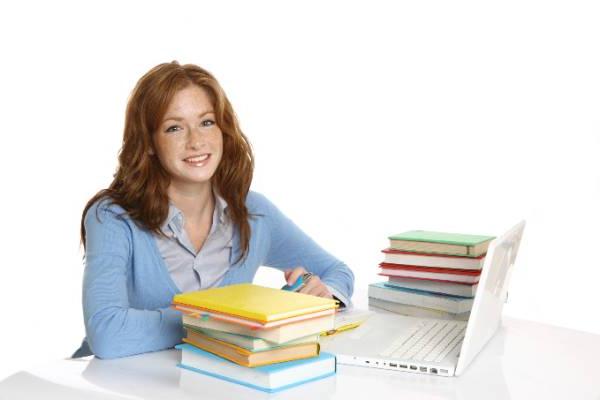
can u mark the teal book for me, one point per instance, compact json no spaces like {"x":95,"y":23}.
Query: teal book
{"x":269,"y":378}
{"x":431,"y":242}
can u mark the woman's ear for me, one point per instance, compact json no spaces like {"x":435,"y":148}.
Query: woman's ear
{"x":151,"y":151}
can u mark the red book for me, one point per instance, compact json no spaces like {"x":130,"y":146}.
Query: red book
{"x":434,"y":274}
{"x":393,"y":256}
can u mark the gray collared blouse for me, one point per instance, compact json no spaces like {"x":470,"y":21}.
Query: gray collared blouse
{"x":191,"y":270}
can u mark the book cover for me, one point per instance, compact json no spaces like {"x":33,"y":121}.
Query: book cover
{"x":448,"y":303}
{"x":247,"y":358}
{"x":271,"y":378}
{"x":394,"y":256}
{"x":441,"y":243}
{"x":278,"y":335}
{"x":415,"y":311}
{"x":205,"y":314}
{"x":437,"y":277}
{"x":452,"y":271}
{"x":441,"y":237}
{"x":430,"y":273}
{"x":248,"y":342}
{"x":254,"y":302}
{"x":452,"y":288}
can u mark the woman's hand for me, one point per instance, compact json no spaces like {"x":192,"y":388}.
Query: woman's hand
{"x":314,"y":286}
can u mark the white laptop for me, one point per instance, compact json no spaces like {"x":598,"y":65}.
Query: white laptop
{"x":434,"y":346}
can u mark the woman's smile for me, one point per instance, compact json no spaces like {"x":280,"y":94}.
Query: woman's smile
{"x":197,"y":160}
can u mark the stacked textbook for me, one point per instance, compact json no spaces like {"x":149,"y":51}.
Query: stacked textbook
{"x":430,"y":274}
{"x":256,"y":336}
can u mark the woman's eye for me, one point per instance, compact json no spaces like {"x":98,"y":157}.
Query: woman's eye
{"x":173,"y":128}
{"x":208,"y":122}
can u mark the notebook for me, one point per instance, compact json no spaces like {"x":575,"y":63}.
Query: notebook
{"x":428,"y":345}
{"x":270,"y":378}
{"x":254,"y":302}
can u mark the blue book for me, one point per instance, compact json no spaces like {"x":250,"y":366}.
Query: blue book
{"x":420,"y":298}
{"x":269,"y":378}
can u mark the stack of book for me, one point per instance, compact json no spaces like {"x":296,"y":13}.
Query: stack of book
{"x":256,"y":336}
{"x":430,"y":274}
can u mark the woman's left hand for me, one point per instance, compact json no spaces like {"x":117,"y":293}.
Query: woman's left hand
{"x":314,"y":286}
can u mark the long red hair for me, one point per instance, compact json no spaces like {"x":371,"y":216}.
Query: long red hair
{"x":140,"y":182}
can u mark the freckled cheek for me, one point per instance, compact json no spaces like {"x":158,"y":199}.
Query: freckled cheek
{"x":170,"y":152}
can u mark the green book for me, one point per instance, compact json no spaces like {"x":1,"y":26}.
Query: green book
{"x":456,"y":244}
{"x":251,"y":343}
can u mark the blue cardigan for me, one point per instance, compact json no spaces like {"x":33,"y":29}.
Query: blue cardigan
{"x":127,"y":288}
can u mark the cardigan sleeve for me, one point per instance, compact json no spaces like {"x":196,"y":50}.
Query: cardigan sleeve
{"x":113,"y":327}
{"x":290,"y":247}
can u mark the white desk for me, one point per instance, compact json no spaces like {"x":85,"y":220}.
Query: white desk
{"x":525,"y":360}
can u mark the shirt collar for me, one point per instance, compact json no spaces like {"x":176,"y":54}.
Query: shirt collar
{"x":175,"y":216}
{"x":220,"y":207}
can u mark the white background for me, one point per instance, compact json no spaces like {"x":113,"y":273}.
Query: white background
{"x":367,"y":119}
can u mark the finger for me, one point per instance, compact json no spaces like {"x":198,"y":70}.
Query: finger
{"x":326,"y":293}
{"x":313,"y":287}
{"x":294,"y":275}
{"x":322,"y":291}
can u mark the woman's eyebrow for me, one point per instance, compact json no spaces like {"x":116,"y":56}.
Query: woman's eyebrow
{"x":175,"y":118}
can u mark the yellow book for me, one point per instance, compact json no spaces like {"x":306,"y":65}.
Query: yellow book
{"x":255,"y":302}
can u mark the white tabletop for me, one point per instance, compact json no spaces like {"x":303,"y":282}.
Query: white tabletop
{"x":524,"y":360}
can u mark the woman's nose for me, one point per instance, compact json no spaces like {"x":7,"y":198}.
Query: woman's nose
{"x":195,"y":139}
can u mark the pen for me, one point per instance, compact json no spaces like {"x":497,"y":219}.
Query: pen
{"x":341,"y":329}
{"x":300,"y":282}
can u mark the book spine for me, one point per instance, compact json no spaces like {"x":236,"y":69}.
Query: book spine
{"x":457,"y":290}
{"x":430,"y":277}
{"x":433,"y":261}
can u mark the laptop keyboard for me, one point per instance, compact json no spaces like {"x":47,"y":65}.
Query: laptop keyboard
{"x":429,"y":341}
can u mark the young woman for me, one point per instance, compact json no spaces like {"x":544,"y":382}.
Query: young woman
{"x":179,"y":216}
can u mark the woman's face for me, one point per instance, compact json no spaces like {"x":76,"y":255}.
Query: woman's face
{"x":188,"y":143}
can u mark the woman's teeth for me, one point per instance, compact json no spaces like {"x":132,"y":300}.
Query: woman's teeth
{"x":196,"y":160}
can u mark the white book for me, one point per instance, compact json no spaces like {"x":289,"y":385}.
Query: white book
{"x":433,"y":276}
{"x":280,"y":334}
{"x":251,"y":343}
{"x":455,"y":289}
{"x":414,"y":311}
{"x":269,"y":378}
{"x":432,"y":260}
{"x":451,"y":304}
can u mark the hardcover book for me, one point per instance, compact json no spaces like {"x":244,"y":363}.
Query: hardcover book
{"x":429,"y":273}
{"x":393,"y":256}
{"x":452,"y":288}
{"x":277,"y":335}
{"x":414,"y":311}
{"x":441,"y":242}
{"x":419,"y":298}
{"x":248,"y":342}
{"x":254,"y":302}
{"x":246,"y":358}
{"x":270,"y":378}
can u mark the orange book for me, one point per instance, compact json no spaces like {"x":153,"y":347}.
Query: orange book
{"x":246,"y":358}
